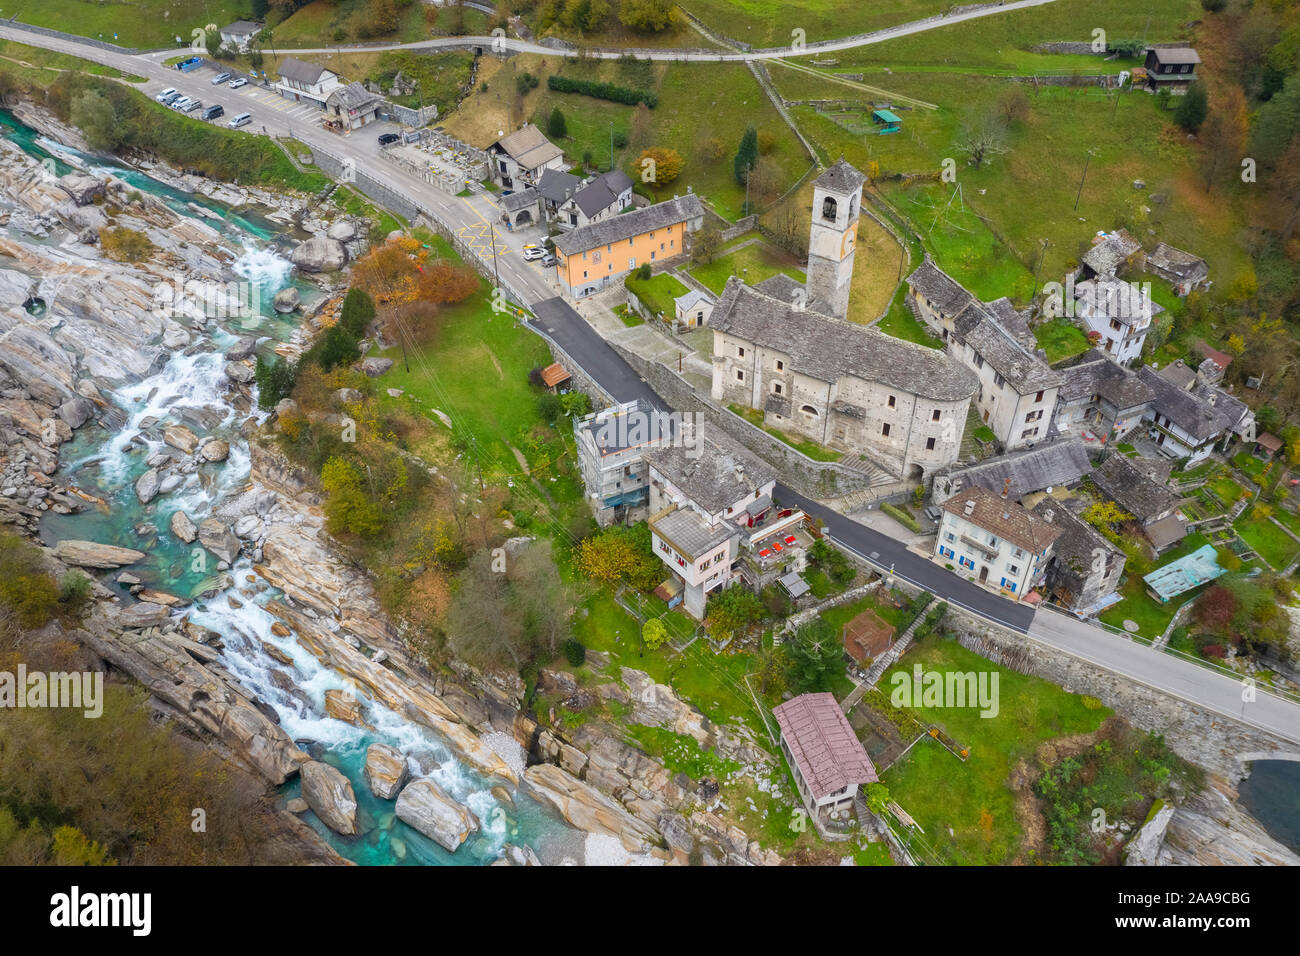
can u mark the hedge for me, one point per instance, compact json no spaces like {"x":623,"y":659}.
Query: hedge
{"x":602,"y":91}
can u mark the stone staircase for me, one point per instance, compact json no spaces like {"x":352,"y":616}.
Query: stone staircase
{"x":970,"y":448}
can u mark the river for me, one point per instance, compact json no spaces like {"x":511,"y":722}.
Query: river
{"x":107,"y":464}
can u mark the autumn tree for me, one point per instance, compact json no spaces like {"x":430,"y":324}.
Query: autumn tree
{"x":705,"y":244}
{"x":711,"y":150}
{"x":1223,"y":136}
{"x":1215,"y":609}
{"x":659,"y":166}
{"x":732,"y":612}
{"x":1285,"y":182}
{"x":653,"y":634}
{"x":646,"y":16}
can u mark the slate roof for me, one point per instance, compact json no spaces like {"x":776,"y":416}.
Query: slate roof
{"x":1116,"y":299}
{"x":829,"y":349}
{"x":1179,"y":374}
{"x":519,"y":199}
{"x":1133,"y":490}
{"x":242,"y":28}
{"x":1102,"y":377}
{"x":946,"y":293}
{"x":710,"y":478}
{"x":300,"y":71}
{"x":690,"y":299}
{"x":618,"y":228}
{"x":841,"y":178}
{"x":1017,"y":323}
{"x":1192,"y":410}
{"x":1111,"y":252}
{"x":601,"y":193}
{"x":556,"y":185}
{"x":1076,"y":547}
{"x":1051,"y":465}
{"x":354,"y":96}
{"x":1003,"y":517}
{"x":1177,"y":54}
{"x":788,"y":289}
{"x":1024,"y":370}
{"x":1176,"y":262}
{"x":824,"y":747}
{"x":529,"y":147}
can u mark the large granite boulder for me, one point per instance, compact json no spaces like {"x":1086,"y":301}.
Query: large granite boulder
{"x":385,"y":770}
{"x":425,"y":806}
{"x":330,"y":796}
{"x":82,"y":188}
{"x":183,"y":527}
{"x":147,"y":486}
{"x":91,"y":554}
{"x":216,"y":537}
{"x":320,"y":254}
{"x":181,"y":438}
{"x":287,"y":300}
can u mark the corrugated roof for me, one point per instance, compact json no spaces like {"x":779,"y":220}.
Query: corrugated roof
{"x":830,"y":349}
{"x":824,"y":746}
{"x":1189,"y":571}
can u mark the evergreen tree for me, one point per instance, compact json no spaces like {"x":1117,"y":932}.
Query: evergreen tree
{"x":747,"y":155}
{"x":556,"y":127}
{"x":1192,"y":108}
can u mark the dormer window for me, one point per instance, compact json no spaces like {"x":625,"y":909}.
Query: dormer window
{"x":829,"y":209}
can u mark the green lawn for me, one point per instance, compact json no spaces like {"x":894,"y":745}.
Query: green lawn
{"x":657,"y":292}
{"x":810,"y":448}
{"x":1250,"y":466}
{"x":974,"y":797}
{"x":146,"y":24}
{"x":768,"y":23}
{"x":1225,"y":489}
{"x":902,"y":324}
{"x":1061,"y":339}
{"x":1268,"y":540}
{"x":753,"y":264}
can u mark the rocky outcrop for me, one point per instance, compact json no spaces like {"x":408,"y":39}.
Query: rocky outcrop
{"x":385,"y":770}
{"x":656,"y":705}
{"x":217,"y":538}
{"x":181,"y":437}
{"x":92,"y":554}
{"x":425,"y":806}
{"x":147,"y":485}
{"x":330,"y":796}
{"x":183,"y":527}
{"x":586,"y":808}
{"x":82,"y":188}
{"x":1208,"y":830}
{"x":320,"y":254}
{"x":286,"y":300}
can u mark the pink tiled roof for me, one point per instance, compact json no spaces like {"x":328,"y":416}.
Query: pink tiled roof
{"x":828,"y":753}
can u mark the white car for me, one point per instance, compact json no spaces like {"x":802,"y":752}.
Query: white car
{"x":238,"y":81}
{"x":166,"y":93}
{"x":182,"y":103}
{"x":532,"y":252}
{"x":221,"y":77}
{"x":191,"y":106}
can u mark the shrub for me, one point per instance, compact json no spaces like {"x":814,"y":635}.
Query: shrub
{"x":602,"y":91}
{"x":556,"y":127}
{"x":358,"y":312}
{"x":75,"y":589}
{"x":25,"y":587}
{"x":125,"y":245}
{"x":643,"y":272}
{"x":574,"y":652}
{"x":275,"y":381}
{"x":653,"y":633}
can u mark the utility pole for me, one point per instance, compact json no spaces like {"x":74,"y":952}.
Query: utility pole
{"x":1081,"y":180}
{"x":611,"y":146}
{"x":496,"y":268}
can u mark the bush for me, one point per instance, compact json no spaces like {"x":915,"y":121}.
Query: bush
{"x":125,"y":245}
{"x":549,"y":407}
{"x":1192,"y":108}
{"x":525,"y":82}
{"x":26,"y":589}
{"x":574,"y":652}
{"x":556,"y":127}
{"x":620,"y":138}
{"x":643,"y":273}
{"x":275,"y":381}
{"x":358,"y":312}
{"x":602,"y":91}
{"x":75,"y":589}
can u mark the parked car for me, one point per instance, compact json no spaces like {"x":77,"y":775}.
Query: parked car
{"x":213,"y":111}
{"x":191,"y":106}
{"x":386,"y":138}
{"x":549,"y":261}
{"x":243,"y":119}
{"x":221,"y":77}
{"x":533,"y":251}
{"x":165,"y":94}
{"x":238,"y":81}
{"x":171,"y":98}
{"x":180,"y":102}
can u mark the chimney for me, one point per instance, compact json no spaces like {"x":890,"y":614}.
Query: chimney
{"x":1006,"y":486}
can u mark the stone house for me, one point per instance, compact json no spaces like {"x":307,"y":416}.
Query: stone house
{"x":519,"y":159}
{"x":1183,"y":270}
{"x":1139,"y":486}
{"x":844,"y":386}
{"x":1188,"y":420}
{"x":1086,"y":569}
{"x":1100,"y":401}
{"x":599,"y":198}
{"x":693,"y":309}
{"x":612,"y":447}
{"x":1058,"y":464}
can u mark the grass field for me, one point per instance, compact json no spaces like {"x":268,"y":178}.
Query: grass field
{"x":657,"y":292}
{"x":1061,"y":339}
{"x":974,"y":799}
{"x":42,"y":67}
{"x":698,"y":102}
{"x":1268,"y":540}
{"x":148,"y":24}
{"x":753,"y":264}
{"x":771,"y":23}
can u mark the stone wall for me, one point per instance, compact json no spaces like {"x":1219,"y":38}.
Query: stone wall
{"x":1200,"y":736}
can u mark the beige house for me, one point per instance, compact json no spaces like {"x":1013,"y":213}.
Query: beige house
{"x":828,"y":761}
{"x":518,"y":160}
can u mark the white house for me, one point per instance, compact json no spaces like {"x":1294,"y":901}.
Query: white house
{"x":599,"y":198}
{"x":693,"y":309}
{"x":305,"y":82}
{"x":991,"y":540}
{"x":1188,"y":422}
{"x":240,"y":34}
{"x":518,"y":160}
{"x":1119,"y":312}
{"x":828,"y":761}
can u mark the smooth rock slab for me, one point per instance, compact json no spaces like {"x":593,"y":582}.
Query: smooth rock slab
{"x":181,"y":438}
{"x":425,"y":806}
{"x":91,"y":554}
{"x":216,"y":537}
{"x":147,"y":486}
{"x":385,"y":770}
{"x":183,"y":527}
{"x":330,"y":796}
